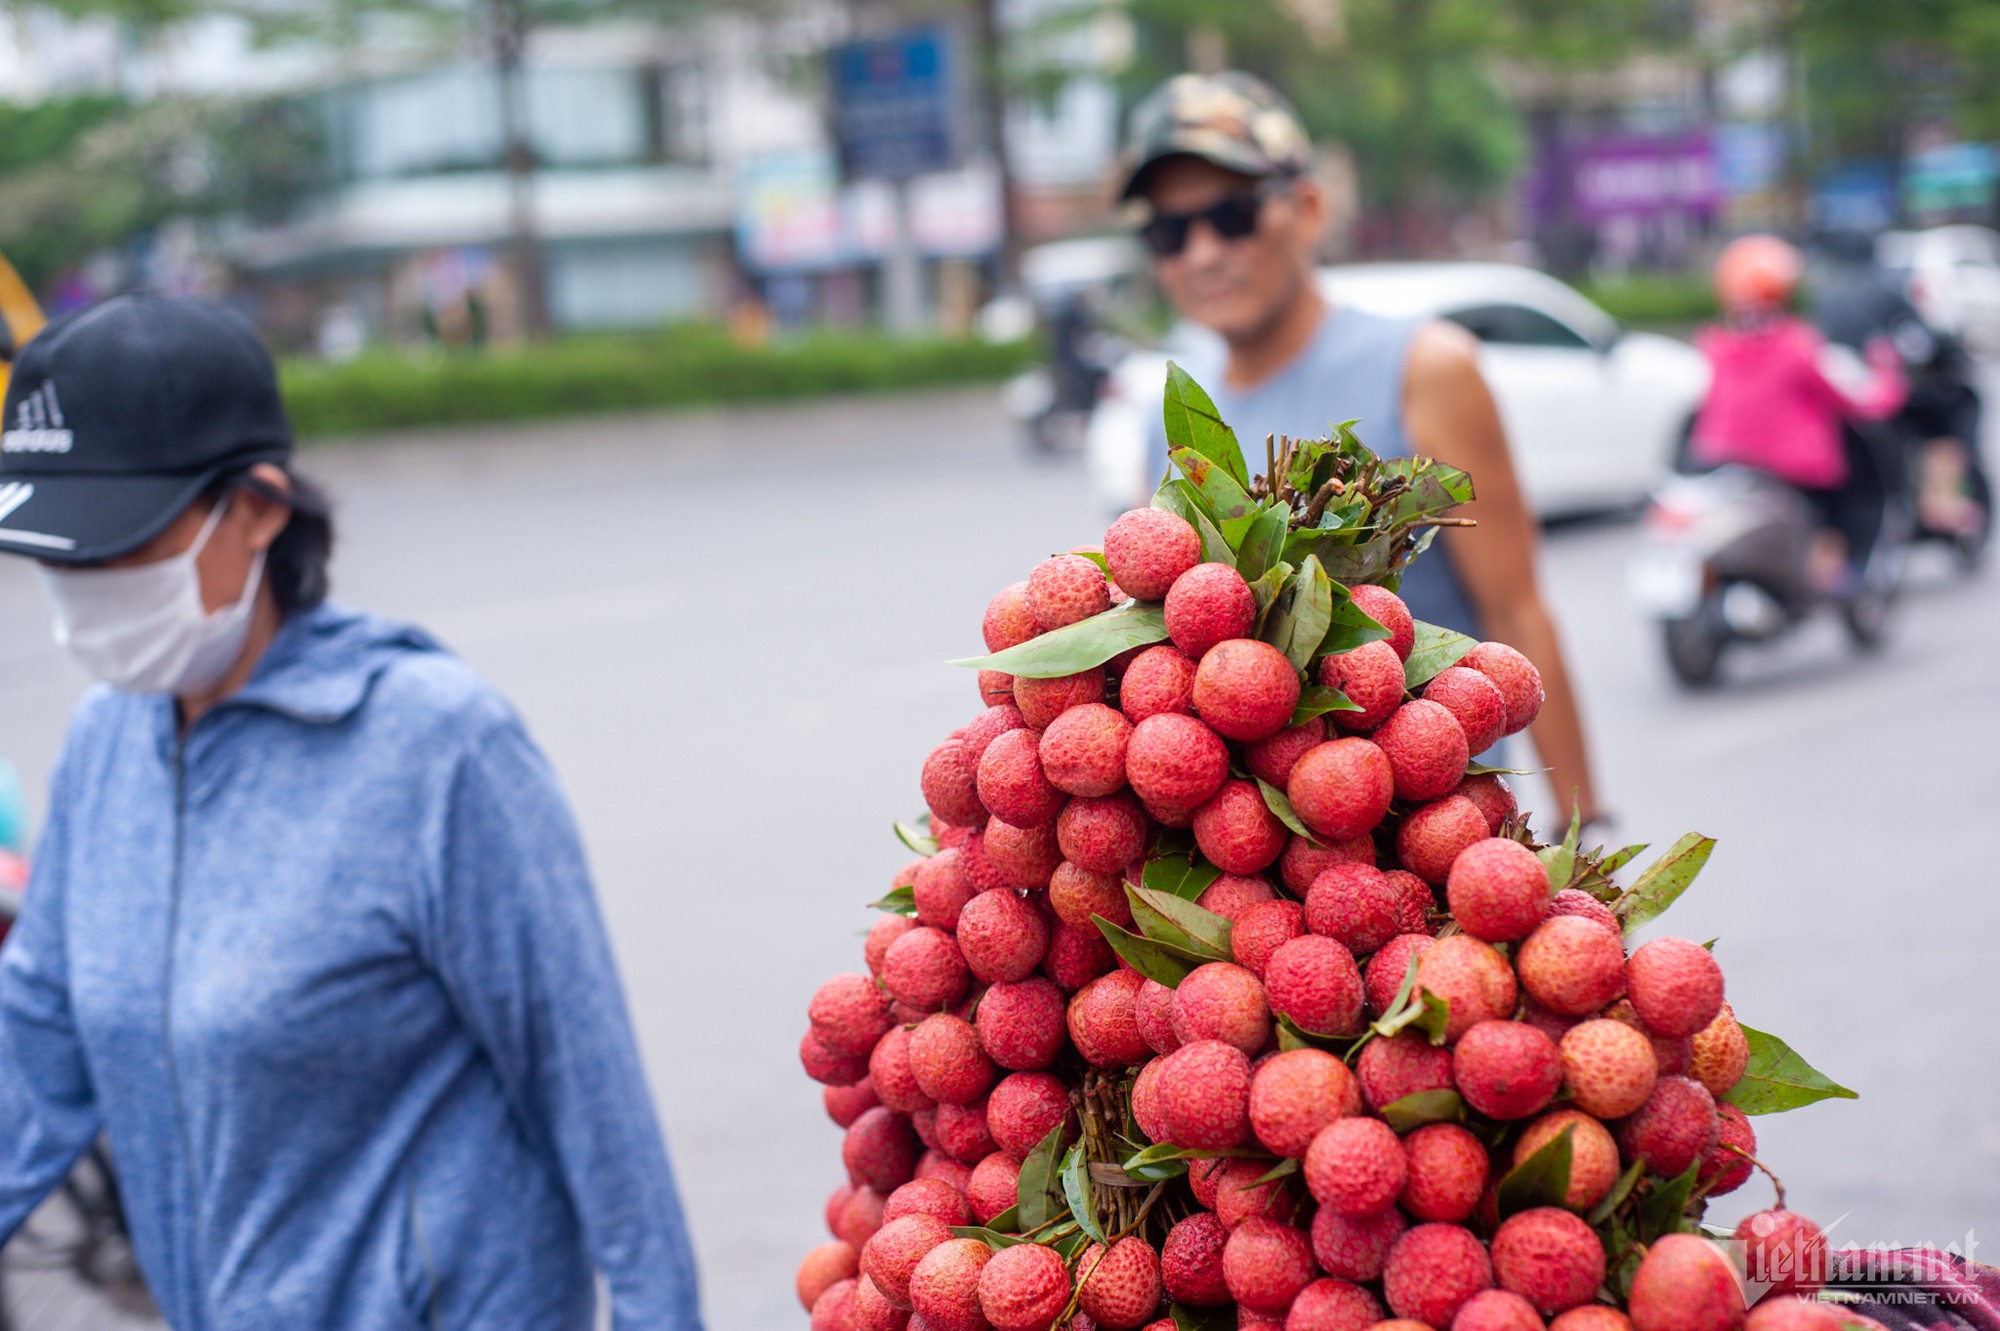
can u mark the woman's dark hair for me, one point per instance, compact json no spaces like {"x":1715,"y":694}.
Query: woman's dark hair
{"x":296,"y":565}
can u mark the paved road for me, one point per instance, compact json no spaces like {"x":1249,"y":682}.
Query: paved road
{"x":727,"y":630}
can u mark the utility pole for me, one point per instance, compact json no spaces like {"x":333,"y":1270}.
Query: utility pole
{"x":510,"y":39}
{"x":993,"y":92}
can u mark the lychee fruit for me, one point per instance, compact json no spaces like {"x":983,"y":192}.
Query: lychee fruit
{"x":1608,"y":1067}
{"x":892,"y":1255}
{"x":1414,"y":902}
{"x":1103,"y":1025}
{"x":1469,"y":975}
{"x":880,"y":1150}
{"x":1506,"y":1069}
{"x":1022,"y":1026}
{"x":1390,"y":966}
{"x":1119,"y":1288}
{"x":844,"y":1104}
{"x":886,"y":930}
{"x":1520,"y":684}
{"x":1076,"y":957}
{"x":1432,"y":1271}
{"x":1064,"y":589}
{"x":1685,"y":1283}
{"x":1191,"y":1262}
{"x":1241,"y":1192}
{"x":829,"y":1067}
{"x":872,"y":1310}
{"x":1160,"y":680}
{"x":1782,"y":1251}
{"x":1675,"y":985}
{"x":1245,"y":689}
{"x":996,"y":687}
{"x":1387,"y":609}
{"x":941,"y":1167}
{"x":1425,"y":747}
{"x":1237,"y":831}
{"x":988,"y":726}
{"x":853,"y":1214}
{"x":1153,"y":1009}
{"x":1498,"y":890}
{"x":1721,"y":1053}
{"x":889,"y":1071}
{"x":1175,"y":761}
{"x":945,"y":1055}
{"x":1403,"y":1065}
{"x":1673,"y":1053}
{"x":1203,"y":1094}
{"x":1370,"y":677}
{"x":925,"y":970}
{"x":1083,"y":750}
{"x":1146,"y":1103}
{"x":1220,"y":1001}
{"x":1355,"y":904}
{"x":994,"y":1186}
{"x":1798,"y":1314}
{"x":940,"y":893}
{"x":935,"y":1197}
{"x":1571,"y":965}
{"x":1209,"y":603}
{"x":1261,"y":929}
{"x":1009,"y":620}
{"x":1314,"y":982}
{"x":1147,"y":549}
{"x":1101,"y":832}
{"x":1076,"y":894}
{"x":834,"y":1309}
{"x":1333,"y":1305}
{"x":1296,"y":1093}
{"x":1043,"y":700}
{"x":944,"y":1288}
{"x":1591,"y":1317}
{"x":1497,"y":1310}
{"x":1024,"y":1288}
{"x":1266,"y":1265}
{"x":1002,"y":937}
{"x":1474,"y":701}
{"x":1673,"y":1129}
{"x":1230,"y":895}
{"x":1494,"y":797}
{"x":1342,"y":788}
{"x":1582,"y":905}
{"x":981,"y":873}
{"x":824,"y":1267}
{"x":1431,"y":836}
{"x":1024,"y":857}
{"x":1549,"y":1257}
{"x":1356,"y":1166}
{"x":1445,"y":1172}
{"x":1305,"y":860}
{"x":950,"y":783}
{"x":1273,"y":757}
{"x":1023,"y":1108}
{"x":1727,"y":1165}
{"x":1355,"y":1247}
{"x":1012,"y":784}
{"x":1593,"y":1168}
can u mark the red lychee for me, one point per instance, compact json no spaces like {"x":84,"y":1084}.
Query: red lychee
{"x":1245,"y":689}
{"x":1102,"y":832}
{"x":1608,"y":1067}
{"x":834,"y":1309}
{"x":824,"y":1267}
{"x":1675,"y":985}
{"x":829,"y":1067}
{"x":1469,"y":975}
{"x":1159,"y":680}
{"x":950,"y":785}
{"x":1342,"y":788}
{"x":1425,"y":747}
{"x":1261,"y":929}
{"x":941,"y":1167}
{"x":1593,"y":1156}
{"x":1024,"y":1288}
{"x":1498,"y":890}
{"x":893,"y":1254}
{"x":981,"y":874}
{"x":1296,"y":1093}
{"x":1203,"y":1093}
{"x":1390,"y":966}
{"x":1445,"y":1170}
{"x":1388,"y":1070}
{"x":962,"y":1132}
{"x":1673,"y":1129}
{"x":940,"y":892}
{"x":1571,"y":965}
{"x":1371,"y":677}
{"x":895,"y":1081}
{"x":1494,"y":797}
{"x":1012,"y":783}
{"x":1304,"y":860}
{"x":1721,"y":1053}
{"x":1506,"y":1069}
{"x":1333,"y":1305}
{"x":854,"y":1214}
{"x":988,"y":726}
{"x":1520,"y":684}
{"x":1273,"y":757}
{"x":1474,"y":701}
{"x":1002,"y":937}
{"x":1191,"y":1262}
{"x":1064,"y":589}
{"x":1209,"y":603}
{"x":1103,"y":1024}
{"x":1673,"y":1053}
{"x":873,"y":1311}
{"x":1356,"y":905}
{"x":944,"y":1288}
{"x":1023,"y":1108}
{"x":1582,"y":905}
{"x":1220,"y":1001}
{"x":1175,"y":761}
{"x":1119,"y":1288}
{"x":1153,"y":1009}
{"x":1414,"y":902}
{"x":1783,"y":1252}
{"x":1355,"y":1247}
{"x":1685,"y":1283}
{"x":1549,"y":1257}
{"x":886,"y":930}
{"x":950,"y":1066}
{"x":1043,"y":700}
{"x":1022,"y":1026}
{"x":1431,"y":836}
{"x":1727,"y":1165}
{"x":880,"y":1150}
{"x":1083,"y":750}
{"x":1241,"y":1193}
{"x":994,"y":1186}
{"x":1266,"y":1265}
{"x":1009,"y":619}
{"x":1387,"y":609}
{"x":996,"y":687}
{"x":925,"y":970}
{"x":1023,"y":856}
{"x":1314,"y":982}
{"x":1591,"y":1317}
{"x":1077,"y":893}
{"x":844,"y":1104}
{"x":1230,"y":895}
{"x":1355,"y":1165}
{"x":1076,"y":957}
{"x":1433,"y":1270}
{"x":1146,"y":1103}
{"x":935,"y":1197}
{"x":1799,"y":1314}
{"x":1148,"y":548}
{"x":1497,"y":1310}
{"x":1237,"y":831}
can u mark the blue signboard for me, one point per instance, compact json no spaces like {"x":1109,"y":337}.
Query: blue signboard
{"x":895,"y":104}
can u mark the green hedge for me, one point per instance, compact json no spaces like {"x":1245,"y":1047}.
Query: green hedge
{"x":1655,"y":298}
{"x":685,"y":367}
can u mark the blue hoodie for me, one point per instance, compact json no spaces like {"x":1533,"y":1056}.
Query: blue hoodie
{"x":329,"y":975}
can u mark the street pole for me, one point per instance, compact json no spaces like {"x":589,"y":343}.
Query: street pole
{"x":510,"y":36}
{"x":993,"y":89}
{"x":902,"y":270}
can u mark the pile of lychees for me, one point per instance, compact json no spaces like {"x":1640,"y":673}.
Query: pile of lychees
{"x":1229,"y":990}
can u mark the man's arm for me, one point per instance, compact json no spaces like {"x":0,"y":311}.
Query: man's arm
{"x":1449,"y":414}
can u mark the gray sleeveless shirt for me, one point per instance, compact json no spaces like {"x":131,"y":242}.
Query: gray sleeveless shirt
{"x":1353,"y":369}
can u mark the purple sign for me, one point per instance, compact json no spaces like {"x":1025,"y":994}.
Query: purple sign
{"x":1628,"y":176}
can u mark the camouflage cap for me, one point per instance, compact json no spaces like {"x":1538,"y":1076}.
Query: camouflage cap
{"x":1232,"y":119}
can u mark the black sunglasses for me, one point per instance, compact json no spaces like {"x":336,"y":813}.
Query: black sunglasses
{"x":1233,"y":218}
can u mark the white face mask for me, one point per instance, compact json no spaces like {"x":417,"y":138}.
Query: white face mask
{"x":144,"y":629}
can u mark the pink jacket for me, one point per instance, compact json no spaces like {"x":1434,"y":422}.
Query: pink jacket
{"x":1772,"y":407}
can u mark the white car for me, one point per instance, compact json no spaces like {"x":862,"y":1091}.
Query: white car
{"x":1595,"y":414}
{"x":1953,"y":277}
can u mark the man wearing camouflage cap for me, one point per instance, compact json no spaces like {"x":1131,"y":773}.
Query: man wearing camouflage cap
{"x":1222,"y":171}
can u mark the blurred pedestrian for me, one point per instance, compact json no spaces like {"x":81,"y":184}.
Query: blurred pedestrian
{"x":310,"y":938}
{"x":1234,"y":222}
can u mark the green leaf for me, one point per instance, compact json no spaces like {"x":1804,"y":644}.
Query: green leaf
{"x":1540,"y":1180}
{"x":1176,"y":496}
{"x":918,"y":841}
{"x":1283,"y":1169}
{"x":1207,"y":931}
{"x":1436,"y":651}
{"x":1007,"y":1222}
{"x":1157,"y":1163}
{"x":1662,"y":1210}
{"x":1155,"y":961}
{"x":1264,"y":543}
{"x":1619,"y":1192}
{"x":1777,"y":1079}
{"x":900,"y":901}
{"x":1203,"y":1319}
{"x":992,"y":1238}
{"x":1663,"y":881}
{"x":1312,"y":614}
{"x":1274,"y":594}
{"x":1401,"y":1010}
{"x":1193,"y":423}
{"x":1178,"y":877}
{"x":1093,"y":556}
{"x":1076,"y":1191}
{"x":1278,"y":803}
{"x":1435,"y":1019}
{"x":1318,"y":700}
{"x":1039,"y":1194}
{"x":1560,"y":861}
{"x":1231,"y":504}
{"x":1415,"y":1110}
{"x":1349,"y":626}
{"x":1079,"y":646}
{"x":1619,"y":858}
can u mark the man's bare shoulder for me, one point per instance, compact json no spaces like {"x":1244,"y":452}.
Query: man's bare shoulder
{"x":1442,"y":356}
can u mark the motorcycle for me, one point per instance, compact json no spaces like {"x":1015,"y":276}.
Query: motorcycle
{"x":1724,"y":559}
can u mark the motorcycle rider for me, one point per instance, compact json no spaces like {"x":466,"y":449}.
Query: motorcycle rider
{"x":1778,"y":405}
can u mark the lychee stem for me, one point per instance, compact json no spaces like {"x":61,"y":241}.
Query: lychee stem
{"x":1777,"y":1184}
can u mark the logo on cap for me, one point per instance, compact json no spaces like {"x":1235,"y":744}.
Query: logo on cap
{"x":13,"y":495}
{"x":38,"y":425}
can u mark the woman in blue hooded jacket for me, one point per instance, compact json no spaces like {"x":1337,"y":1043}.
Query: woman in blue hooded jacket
{"x":310,"y":938}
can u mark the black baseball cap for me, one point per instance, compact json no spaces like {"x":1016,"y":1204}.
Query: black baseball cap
{"x":119,"y":416}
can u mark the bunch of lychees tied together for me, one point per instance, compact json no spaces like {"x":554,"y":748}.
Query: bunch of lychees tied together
{"x":1230,"y":991}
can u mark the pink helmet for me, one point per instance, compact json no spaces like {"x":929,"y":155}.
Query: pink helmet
{"x":1755,"y":271}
